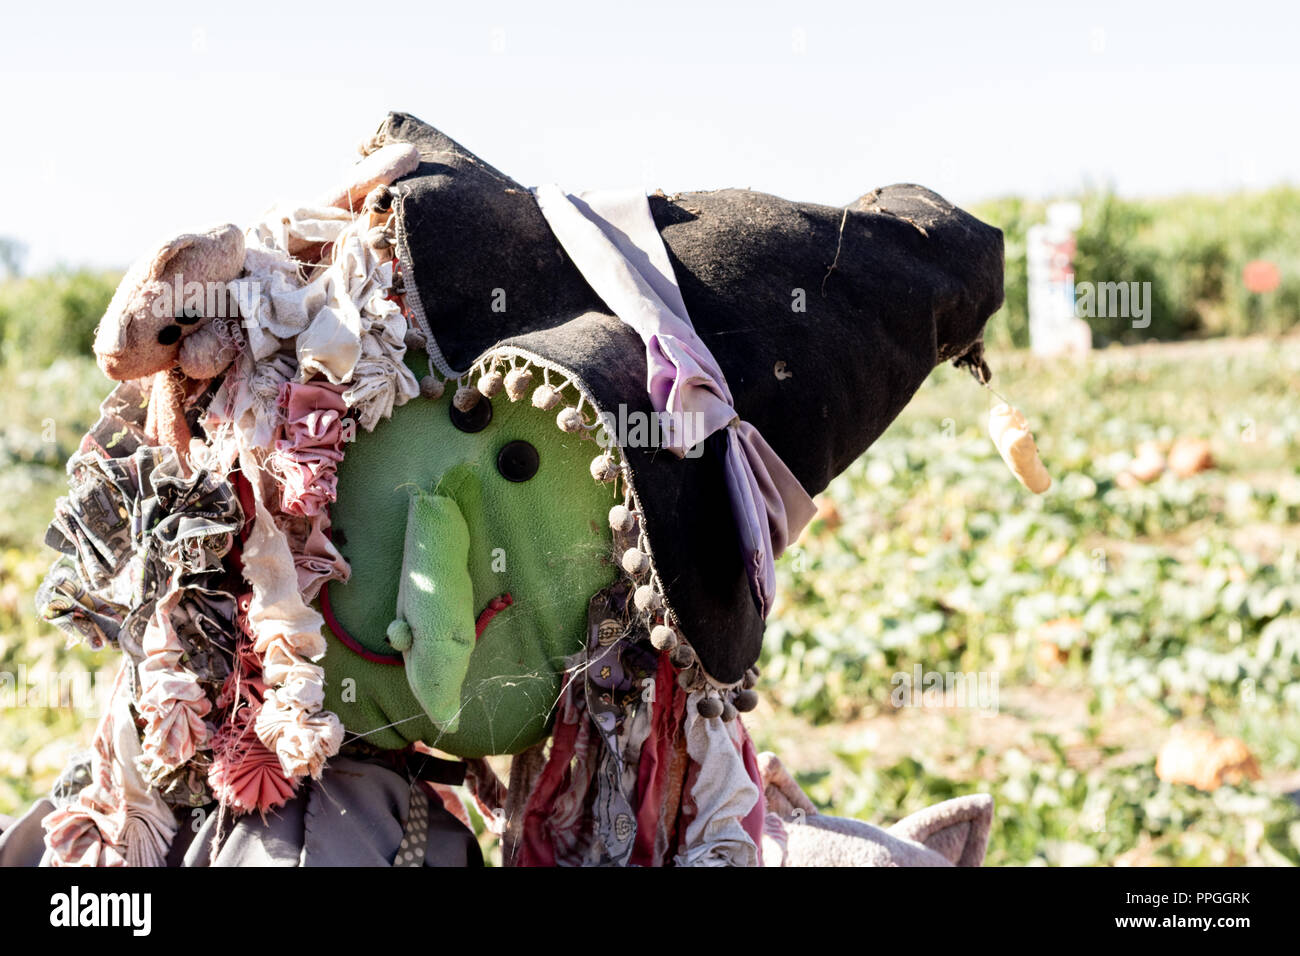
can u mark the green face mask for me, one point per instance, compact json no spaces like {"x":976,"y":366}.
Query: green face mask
{"x":441,"y":514}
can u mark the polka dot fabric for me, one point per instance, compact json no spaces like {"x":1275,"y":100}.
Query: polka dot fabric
{"x":415,"y":836}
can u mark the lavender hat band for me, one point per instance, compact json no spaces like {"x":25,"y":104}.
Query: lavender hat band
{"x":612,"y":239}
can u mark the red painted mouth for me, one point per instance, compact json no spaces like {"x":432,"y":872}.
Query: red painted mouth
{"x":495,"y":607}
{"x":350,"y":642}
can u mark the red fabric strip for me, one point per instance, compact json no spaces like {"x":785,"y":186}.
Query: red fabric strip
{"x":653,"y":770}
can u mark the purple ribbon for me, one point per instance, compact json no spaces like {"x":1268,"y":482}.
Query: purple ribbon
{"x":612,"y":239}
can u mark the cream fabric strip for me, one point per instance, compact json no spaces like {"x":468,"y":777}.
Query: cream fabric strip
{"x":612,"y":239}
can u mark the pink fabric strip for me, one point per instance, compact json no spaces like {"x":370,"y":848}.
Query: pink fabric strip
{"x":310,"y":447}
{"x":612,"y":239}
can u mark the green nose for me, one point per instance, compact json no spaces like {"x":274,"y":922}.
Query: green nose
{"x":434,"y":627}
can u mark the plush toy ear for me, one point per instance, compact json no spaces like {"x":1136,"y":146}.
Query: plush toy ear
{"x":783,"y":794}
{"x":216,"y":255}
{"x":957,"y":829}
{"x":163,"y":257}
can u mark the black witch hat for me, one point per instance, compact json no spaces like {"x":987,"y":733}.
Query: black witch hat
{"x":823,"y":320}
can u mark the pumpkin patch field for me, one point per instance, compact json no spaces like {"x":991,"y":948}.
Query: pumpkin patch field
{"x":1088,"y":656}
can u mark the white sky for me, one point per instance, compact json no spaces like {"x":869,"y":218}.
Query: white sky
{"x":120,"y":128}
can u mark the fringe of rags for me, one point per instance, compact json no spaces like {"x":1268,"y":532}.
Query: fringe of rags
{"x":216,"y":700}
{"x":245,"y":774}
{"x":639,"y":796}
{"x":117,"y":819}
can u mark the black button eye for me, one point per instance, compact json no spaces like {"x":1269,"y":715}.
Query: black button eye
{"x":189,"y":316}
{"x":474,"y":420}
{"x":170,"y":335}
{"x":518,"y":461}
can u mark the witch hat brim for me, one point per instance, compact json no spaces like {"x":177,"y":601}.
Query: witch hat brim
{"x":823,"y":320}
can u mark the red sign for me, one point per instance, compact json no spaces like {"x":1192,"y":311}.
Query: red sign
{"x":1260,"y":275}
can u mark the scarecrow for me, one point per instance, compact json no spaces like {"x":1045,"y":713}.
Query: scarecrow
{"x":451,"y":469}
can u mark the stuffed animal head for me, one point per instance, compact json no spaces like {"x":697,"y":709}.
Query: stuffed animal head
{"x":166,"y":297}
{"x":476,"y":540}
{"x":952,"y":833}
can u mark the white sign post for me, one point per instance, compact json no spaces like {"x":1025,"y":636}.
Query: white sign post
{"x":1049,"y":254}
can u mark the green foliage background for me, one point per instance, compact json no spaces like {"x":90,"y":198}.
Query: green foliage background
{"x":53,"y":315}
{"x":1190,"y":248}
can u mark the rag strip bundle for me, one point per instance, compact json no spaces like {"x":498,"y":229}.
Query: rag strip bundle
{"x":201,"y":570}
